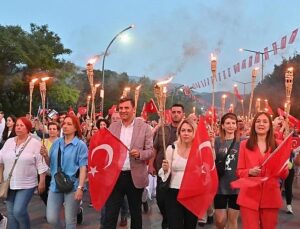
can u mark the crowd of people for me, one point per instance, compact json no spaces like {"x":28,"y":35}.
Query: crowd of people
{"x":37,"y":151}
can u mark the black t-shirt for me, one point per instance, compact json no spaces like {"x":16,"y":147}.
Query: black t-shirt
{"x":230,"y":164}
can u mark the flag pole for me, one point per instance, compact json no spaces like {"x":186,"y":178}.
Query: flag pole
{"x":277,"y":149}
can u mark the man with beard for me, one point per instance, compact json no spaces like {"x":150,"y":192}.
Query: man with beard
{"x":177,"y":114}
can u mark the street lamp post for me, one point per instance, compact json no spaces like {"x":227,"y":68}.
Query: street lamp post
{"x":103,"y":62}
{"x":262,"y":58}
{"x":174,"y":92}
{"x":244,"y":83}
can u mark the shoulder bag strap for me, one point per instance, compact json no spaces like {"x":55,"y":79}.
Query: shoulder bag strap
{"x":230,"y":147}
{"x":19,"y":154}
{"x":173,"y":149}
{"x":59,"y":169}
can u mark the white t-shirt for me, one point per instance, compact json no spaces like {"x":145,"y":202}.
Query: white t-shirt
{"x":178,"y":167}
{"x":28,"y":165}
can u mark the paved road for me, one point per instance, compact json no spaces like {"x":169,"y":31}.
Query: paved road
{"x":152,"y":219}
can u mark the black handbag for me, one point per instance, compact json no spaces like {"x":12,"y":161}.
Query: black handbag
{"x":63,"y":181}
{"x":221,"y":162}
{"x":163,"y":186}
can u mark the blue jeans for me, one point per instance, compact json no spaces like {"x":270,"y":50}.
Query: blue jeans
{"x":56,"y":201}
{"x":17,"y":203}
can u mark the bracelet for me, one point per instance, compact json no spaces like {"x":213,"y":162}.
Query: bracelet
{"x":81,"y":188}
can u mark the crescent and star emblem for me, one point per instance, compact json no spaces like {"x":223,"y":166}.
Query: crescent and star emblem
{"x":205,"y":166}
{"x":110,"y":153}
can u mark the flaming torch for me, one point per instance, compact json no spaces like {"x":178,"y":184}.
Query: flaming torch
{"x":289,"y":77}
{"x":223,"y":103}
{"x":43,"y":96}
{"x":213,"y":66}
{"x":257,"y":105}
{"x":160,"y":92}
{"x":136,"y":96}
{"x":126,"y":90}
{"x":254,"y":73}
{"x":88,"y":99}
{"x":31,"y":87}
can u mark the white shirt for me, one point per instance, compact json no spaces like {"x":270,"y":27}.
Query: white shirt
{"x":29,"y":163}
{"x":2,"y":126}
{"x":125,"y":137}
{"x":178,"y":167}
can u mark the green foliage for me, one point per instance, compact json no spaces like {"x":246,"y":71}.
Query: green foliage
{"x":273,"y":86}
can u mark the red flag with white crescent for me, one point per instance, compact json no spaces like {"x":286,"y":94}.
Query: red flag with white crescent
{"x":200,"y":180}
{"x":107,"y":155}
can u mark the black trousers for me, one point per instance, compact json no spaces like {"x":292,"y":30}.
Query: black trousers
{"x":161,"y":201}
{"x":288,"y":186}
{"x":178,"y":216}
{"x":124,"y":186}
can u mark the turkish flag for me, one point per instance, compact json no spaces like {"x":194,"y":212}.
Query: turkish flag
{"x":279,"y":158}
{"x":71,"y":111}
{"x":283,"y":42}
{"x":210,"y":115}
{"x":272,"y":166}
{"x":82,"y":110}
{"x":168,"y":117}
{"x":274,"y":45}
{"x":257,"y":58}
{"x":107,"y":155}
{"x":292,"y":120}
{"x":112,"y":110}
{"x":266,"y":53}
{"x":237,"y":94}
{"x":293,"y":36}
{"x":150,"y":107}
{"x":200,"y":180}
{"x":144,"y":114}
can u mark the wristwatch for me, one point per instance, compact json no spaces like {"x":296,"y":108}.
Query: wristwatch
{"x":81,"y":188}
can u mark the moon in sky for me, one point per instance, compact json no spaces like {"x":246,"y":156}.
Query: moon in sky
{"x":109,"y":151}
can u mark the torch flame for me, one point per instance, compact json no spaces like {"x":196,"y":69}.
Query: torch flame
{"x":212,"y":57}
{"x":94,"y":59}
{"x":165,"y":81}
{"x":138,"y":87}
{"x":45,"y":78}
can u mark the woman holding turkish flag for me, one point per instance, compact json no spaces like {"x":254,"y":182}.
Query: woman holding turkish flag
{"x":259,"y":204}
{"x":174,"y":165}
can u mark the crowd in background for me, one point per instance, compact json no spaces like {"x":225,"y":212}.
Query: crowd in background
{"x":243,"y":143}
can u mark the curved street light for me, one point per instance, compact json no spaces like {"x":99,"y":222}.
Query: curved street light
{"x":262,"y":58}
{"x":103,"y":62}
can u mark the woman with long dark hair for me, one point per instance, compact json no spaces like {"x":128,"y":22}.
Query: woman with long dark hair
{"x":9,"y":130}
{"x":260,"y":204}
{"x":227,"y":150}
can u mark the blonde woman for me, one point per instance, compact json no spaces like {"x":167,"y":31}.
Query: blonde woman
{"x":174,"y":164}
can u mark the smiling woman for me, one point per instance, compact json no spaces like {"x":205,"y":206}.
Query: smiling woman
{"x":261,"y":201}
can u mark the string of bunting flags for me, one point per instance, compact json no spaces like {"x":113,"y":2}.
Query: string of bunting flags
{"x":249,"y":62}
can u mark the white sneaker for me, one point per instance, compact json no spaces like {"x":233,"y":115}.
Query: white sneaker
{"x":289,"y":209}
{"x":3,"y":223}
